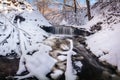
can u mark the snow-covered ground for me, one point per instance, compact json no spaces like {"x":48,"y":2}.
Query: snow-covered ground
{"x":24,"y":38}
{"x":106,"y":43}
{"x":20,"y":34}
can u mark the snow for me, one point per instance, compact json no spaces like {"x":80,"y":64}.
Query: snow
{"x":26,"y":39}
{"x":106,"y":41}
{"x":69,"y":69}
{"x":62,"y":57}
{"x":64,"y":47}
{"x":92,"y":22}
{"x":63,"y":22}
{"x":78,"y":63}
{"x":26,"y":33}
{"x":56,"y":74}
{"x":40,"y":63}
{"x":34,"y":63}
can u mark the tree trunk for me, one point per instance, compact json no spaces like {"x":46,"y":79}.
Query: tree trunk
{"x":75,"y":6}
{"x":64,"y":9}
{"x":88,"y":9}
{"x":64,"y":4}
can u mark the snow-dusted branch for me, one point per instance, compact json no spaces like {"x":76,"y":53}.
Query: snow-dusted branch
{"x":16,"y":26}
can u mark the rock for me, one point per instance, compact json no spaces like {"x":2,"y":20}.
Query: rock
{"x":56,"y":74}
{"x":50,"y":42}
{"x":8,"y":67}
{"x":118,"y":72}
{"x":64,"y":47}
{"x":62,"y":58}
{"x":106,"y":75}
{"x":77,"y":58}
{"x":61,"y":65}
{"x":96,"y":27}
{"x":55,"y":53}
{"x":79,"y":38}
{"x":115,"y":77}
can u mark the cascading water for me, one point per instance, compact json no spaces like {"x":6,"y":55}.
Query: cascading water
{"x":66,"y":30}
{"x":63,"y":30}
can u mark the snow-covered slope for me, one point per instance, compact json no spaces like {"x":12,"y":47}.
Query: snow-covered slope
{"x":17,"y":36}
{"x":106,"y":45}
{"x":21,"y":35}
{"x":105,"y":42}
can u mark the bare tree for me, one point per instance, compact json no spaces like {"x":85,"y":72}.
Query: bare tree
{"x":75,"y":6}
{"x":64,"y":4}
{"x":64,"y":8}
{"x":43,"y":5}
{"x":88,"y":9}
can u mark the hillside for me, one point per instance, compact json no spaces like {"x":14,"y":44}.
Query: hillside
{"x":20,"y":28}
{"x":89,"y":51}
{"x":105,"y":25}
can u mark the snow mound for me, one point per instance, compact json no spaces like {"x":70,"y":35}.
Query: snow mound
{"x":38,"y":64}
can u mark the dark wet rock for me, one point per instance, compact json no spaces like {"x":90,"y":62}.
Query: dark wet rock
{"x":81,"y":31}
{"x":47,"y":29}
{"x":8,"y":67}
{"x":90,"y":66}
{"x":12,"y":55}
{"x":32,"y":52}
{"x":62,"y":77}
{"x":96,"y":27}
{"x":69,"y":30}
{"x":19,"y":17}
{"x":79,"y":40}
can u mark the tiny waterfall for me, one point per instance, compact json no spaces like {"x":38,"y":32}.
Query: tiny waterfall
{"x":63,"y":30}
{"x":66,"y":30}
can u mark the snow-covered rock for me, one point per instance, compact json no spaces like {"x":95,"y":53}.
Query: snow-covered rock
{"x":38,"y":64}
{"x":56,"y":74}
{"x":64,"y":47}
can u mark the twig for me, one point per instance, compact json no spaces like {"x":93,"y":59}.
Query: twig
{"x":16,"y":26}
{"x":5,"y":39}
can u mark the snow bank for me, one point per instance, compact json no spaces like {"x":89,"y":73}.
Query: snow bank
{"x":38,"y":64}
{"x":106,"y":44}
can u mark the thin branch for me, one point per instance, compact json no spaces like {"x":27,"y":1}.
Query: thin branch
{"x":5,"y":38}
{"x":16,"y":26}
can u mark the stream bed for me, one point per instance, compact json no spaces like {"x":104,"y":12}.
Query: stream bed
{"x":84,"y":64}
